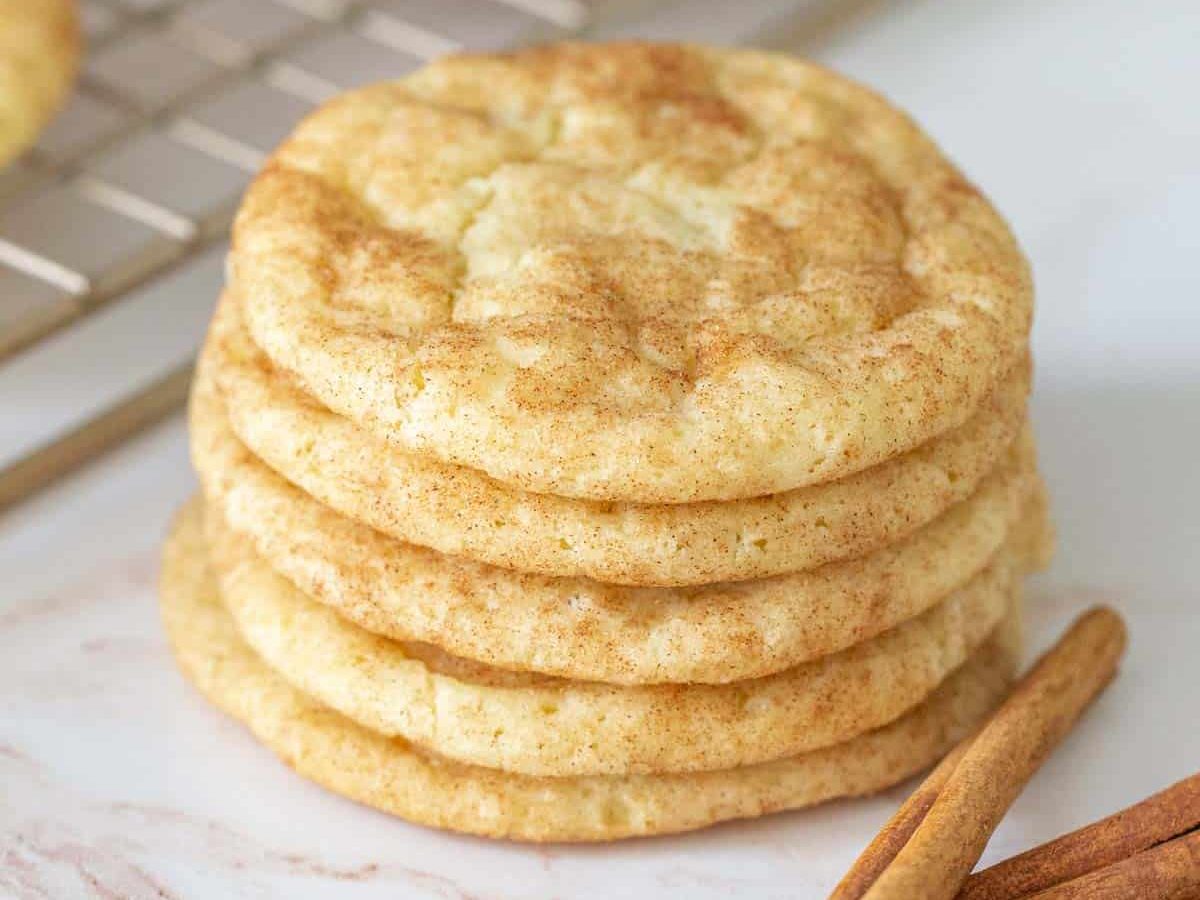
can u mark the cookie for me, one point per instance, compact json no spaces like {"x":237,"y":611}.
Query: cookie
{"x":631,"y":272}
{"x":584,"y":629}
{"x":39,"y":54}
{"x":538,"y":725}
{"x":461,"y":511}
{"x":394,"y":776}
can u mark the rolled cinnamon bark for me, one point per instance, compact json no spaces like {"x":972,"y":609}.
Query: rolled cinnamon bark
{"x":978,"y":783}
{"x":1157,"y":819}
{"x":1170,"y":871}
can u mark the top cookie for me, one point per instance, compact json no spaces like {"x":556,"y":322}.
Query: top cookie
{"x":633,"y":272}
{"x":39,"y":51}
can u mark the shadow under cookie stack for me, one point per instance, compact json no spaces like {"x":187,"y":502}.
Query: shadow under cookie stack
{"x":610,"y":440}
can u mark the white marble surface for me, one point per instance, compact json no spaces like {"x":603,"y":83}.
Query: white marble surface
{"x":116,"y":781}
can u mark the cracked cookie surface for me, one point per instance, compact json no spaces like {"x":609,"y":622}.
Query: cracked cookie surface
{"x":631,"y":272}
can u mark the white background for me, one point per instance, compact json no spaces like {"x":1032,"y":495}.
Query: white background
{"x":1082,"y":120}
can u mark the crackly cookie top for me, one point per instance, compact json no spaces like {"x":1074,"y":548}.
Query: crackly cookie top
{"x":631,"y":271}
{"x":39,"y":51}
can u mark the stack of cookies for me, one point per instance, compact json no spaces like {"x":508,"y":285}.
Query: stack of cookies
{"x":610,"y":440}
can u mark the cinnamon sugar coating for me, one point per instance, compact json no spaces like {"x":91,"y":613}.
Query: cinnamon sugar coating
{"x":631,"y":272}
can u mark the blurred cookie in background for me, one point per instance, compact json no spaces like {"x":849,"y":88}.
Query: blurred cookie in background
{"x":39,"y":54}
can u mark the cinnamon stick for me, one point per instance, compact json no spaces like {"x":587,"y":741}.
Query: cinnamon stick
{"x":1157,"y":819}
{"x":899,"y":828}
{"x":1170,"y":871}
{"x":976,"y":785}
